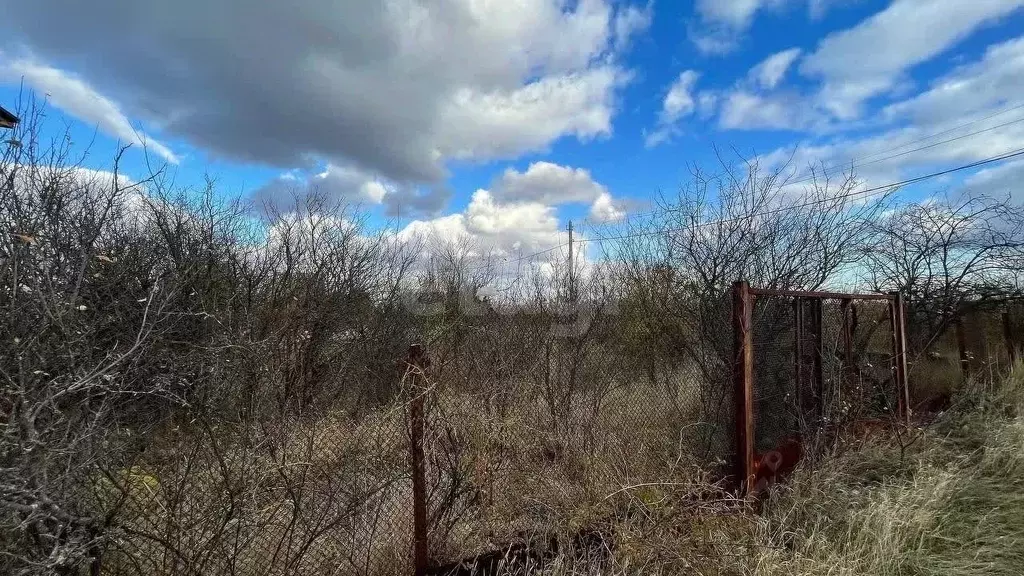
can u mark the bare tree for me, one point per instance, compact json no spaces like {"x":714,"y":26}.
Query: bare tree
{"x":78,"y":324}
{"x":744,"y":223}
{"x":950,"y":255}
{"x":147,"y":330}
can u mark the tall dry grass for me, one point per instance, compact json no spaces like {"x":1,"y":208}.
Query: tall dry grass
{"x":944,"y":499}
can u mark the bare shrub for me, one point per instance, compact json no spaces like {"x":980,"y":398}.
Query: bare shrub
{"x":745,"y":223}
{"x":165,"y":353}
{"x":951,"y":256}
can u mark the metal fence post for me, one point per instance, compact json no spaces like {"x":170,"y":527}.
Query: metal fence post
{"x":798,"y":360}
{"x":818,"y":374}
{"x":417,"y":361}
{"x":846,"y":332}
{"x":743,"y":383}
{"x":898,"y":318}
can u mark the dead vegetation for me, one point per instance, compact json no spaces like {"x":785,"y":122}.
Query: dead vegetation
{"x":192,"y":385}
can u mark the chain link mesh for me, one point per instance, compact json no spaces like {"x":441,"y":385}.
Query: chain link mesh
{"x":533,"y":425}
{"x":303,"y":495}
{"x":981,"y":343}
{"x":819,"y":362}
{"x":522,"y":438}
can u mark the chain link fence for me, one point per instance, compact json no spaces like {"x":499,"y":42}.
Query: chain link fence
{"x":818,"y":361}
{"x":304,"y":494}
{"x":530,"y":430}
{"x":539,"y":441}
{"x":982,"y":341}
{"x":516,"y":429}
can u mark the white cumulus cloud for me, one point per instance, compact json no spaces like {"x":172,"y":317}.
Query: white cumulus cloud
{"x":551,"y":184}
{"x":871,"y":58}
{"x":79,"y":99}
{"x":518,"y":214}
{"x":771,"y":70}
{"x":678,"y":103}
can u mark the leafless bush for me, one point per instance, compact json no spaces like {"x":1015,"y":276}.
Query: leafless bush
{"x":81,"y":325}
{"x":147,"y":330}
{"x":951,"y":256}
{"x":745,"y":223}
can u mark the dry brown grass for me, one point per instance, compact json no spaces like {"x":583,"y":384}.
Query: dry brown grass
{"x":628,"y":472}
{"x":947,"y":503}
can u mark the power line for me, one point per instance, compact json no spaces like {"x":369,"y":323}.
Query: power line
{"x":874,"y":191}
{"x":853,"y":161}
{"x":932,"y":145}
{"x":857,"y":193}
{"x":505,"y":261}
{"x":937,"y":134}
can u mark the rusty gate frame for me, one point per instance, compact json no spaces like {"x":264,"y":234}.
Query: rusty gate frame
{"x":743,"y":297}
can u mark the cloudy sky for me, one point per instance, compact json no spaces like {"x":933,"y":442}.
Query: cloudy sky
{"x":502,"y":119}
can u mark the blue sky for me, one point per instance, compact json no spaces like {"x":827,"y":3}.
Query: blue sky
{"x":498,"y":121}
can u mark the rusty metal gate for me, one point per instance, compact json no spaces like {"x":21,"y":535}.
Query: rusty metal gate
{"x":806,"y":361}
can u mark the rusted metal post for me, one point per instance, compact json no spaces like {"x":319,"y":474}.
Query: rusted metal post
{"x":846,"y":334}
{"x":961,"y":345}
{"x":417,"y":362}
{"x":1011,"y":344}
{"x":894,"y":324}
{"x":798,"y":360}
{"x":743,"y":384}
{"x":846,"y":331}
{"x":898,"y":316}
{"x":817,"y":375}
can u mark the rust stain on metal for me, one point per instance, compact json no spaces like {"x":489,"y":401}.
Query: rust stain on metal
{"x":743,"y":384}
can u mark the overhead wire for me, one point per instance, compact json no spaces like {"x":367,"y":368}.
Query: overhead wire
{"x":856,"y":162}
{"x":590,"y":224}
{"x":932,"y":145}
{"x":859,"y":194}
{"x":935,"y":135}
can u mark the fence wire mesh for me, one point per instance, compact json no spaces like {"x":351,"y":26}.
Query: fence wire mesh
{"x":535,"y":424}
{"x":983,"y":341}
{"x":518,"y":437}
{"x":301,"y":495}
{"x":819,"y":362}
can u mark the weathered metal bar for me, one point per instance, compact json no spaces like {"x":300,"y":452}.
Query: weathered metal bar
{"x":818,"y":294}
{"x":899,"y":315}
{"x":798,"y":360}
{"x":817,"y":374}
{"x":743,"y":384}
{"x":846,"y":334}
{"x":1008,"y":339}
{"x":961,"y":345}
